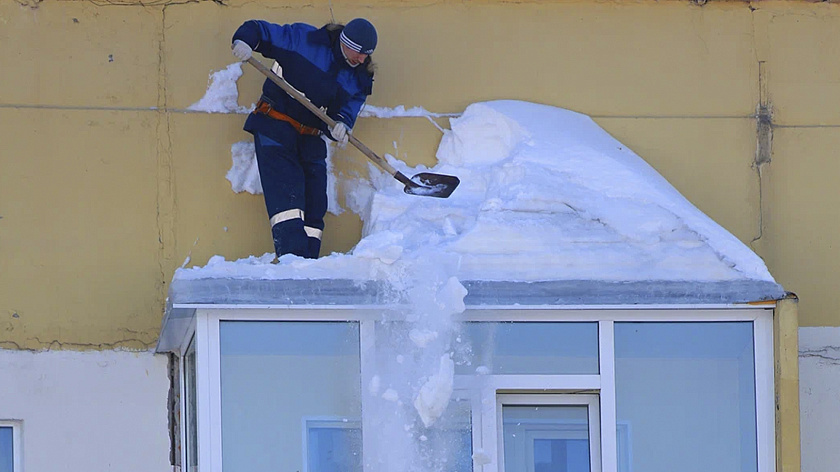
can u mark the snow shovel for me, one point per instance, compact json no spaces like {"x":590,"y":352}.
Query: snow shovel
{"x":425,"y":183}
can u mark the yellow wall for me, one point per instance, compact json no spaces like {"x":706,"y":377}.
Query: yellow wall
{"x":107,"y":183}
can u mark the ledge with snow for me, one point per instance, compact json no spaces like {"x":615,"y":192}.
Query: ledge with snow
{"x":552,"y":211}
{"x":563,"y":263}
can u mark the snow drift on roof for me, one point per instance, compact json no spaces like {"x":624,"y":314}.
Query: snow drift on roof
{"x":545,"y":195}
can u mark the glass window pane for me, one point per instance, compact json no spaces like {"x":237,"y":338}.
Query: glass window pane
{"x":7,"y":451}
{"x":280,"y":378}
{"x":546,"y":438}
{"x":332,"y":446}
{"x":685,"y":397}
{"x":527,"y":348}
{"x":447,"y":445}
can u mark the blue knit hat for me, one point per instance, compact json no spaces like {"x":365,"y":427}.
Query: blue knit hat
{"x":359,"y":35}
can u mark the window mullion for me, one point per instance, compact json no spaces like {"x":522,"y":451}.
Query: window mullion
{"x":215,"y":369}
{"x":606,"y":356}
{"x":764,"y":392}
{"x":182,"y":407}
{"x":491,"y":432}
{"x":202,"y":390}
{"x":208,"y":392}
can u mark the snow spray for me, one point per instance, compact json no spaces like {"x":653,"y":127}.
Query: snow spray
{"x":409,"y":422}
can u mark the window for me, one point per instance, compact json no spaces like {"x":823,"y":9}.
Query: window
{"x":578,"y":391}
{"x":332,"y":445}
{"x":544,"y":433}
{"x":10,"y":446}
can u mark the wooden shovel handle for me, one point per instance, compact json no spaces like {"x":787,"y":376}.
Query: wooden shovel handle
{"x":329,"y":121}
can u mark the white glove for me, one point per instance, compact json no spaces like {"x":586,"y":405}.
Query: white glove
{"x":241,"y":50}
{"x":339,"y":133}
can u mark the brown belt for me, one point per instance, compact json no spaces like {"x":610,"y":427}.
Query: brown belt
{"x":265,"y":109}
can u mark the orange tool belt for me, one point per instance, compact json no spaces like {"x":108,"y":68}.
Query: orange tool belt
{"x":265,"y":109}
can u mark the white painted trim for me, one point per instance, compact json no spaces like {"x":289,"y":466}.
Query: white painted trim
{"x":476,"y":428}
{"x":610,"y":315}
{"x":292,"y":314}
{"x":215,"y":393}
{"x":203,"y":387}
{"x":765,"y":404}
{"x":272,"y":307}
{"x":518,"y":314}
{"x":17,"y":442}
{"x":667,"y":307}
{"x":182,"y":407}
{"x":535,"y":382}
{"x":491,"y":428}
{"x":606,"y":356}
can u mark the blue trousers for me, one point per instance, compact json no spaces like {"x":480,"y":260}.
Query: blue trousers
{"x":293,"y":172}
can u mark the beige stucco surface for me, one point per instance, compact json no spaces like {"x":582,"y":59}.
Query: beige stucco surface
{"x":61,"y":53}
{"x":109,"y":184}
{"x":802,"y":232}
{"x":79,"y":244}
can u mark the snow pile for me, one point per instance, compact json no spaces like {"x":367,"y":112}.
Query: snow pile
{"x":370,"y":111}
{"x":222,"y":96}
{"x":244,"y":175}
{"x":546,"y":194}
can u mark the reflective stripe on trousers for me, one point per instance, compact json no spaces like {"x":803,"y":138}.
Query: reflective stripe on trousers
{"x":286,"y":216}
{"x":313,"y":232}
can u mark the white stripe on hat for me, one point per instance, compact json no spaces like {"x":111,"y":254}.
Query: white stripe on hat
{"x":350,"y":43}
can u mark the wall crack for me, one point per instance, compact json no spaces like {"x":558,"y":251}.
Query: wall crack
{"x":764,"y":143}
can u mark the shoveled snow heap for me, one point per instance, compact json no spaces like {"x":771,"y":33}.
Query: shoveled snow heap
{"x":545,"y":194}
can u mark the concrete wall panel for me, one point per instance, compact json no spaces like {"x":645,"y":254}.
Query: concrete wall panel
{"x":803,"y":61}
{"x":79,"y":54}
{"x":211,"y":218}
{"x":819,"y":387}
{"x":802,"y":226}
{"x":596,"y":58}
{"x":79,"y":234}
{"x":92,"y":411}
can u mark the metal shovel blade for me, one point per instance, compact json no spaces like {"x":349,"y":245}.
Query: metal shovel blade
{"x":432,"y":185}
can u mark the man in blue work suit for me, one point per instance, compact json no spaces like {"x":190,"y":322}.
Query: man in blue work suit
{"x":332,"y":67}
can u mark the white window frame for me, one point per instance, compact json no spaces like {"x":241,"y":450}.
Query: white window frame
{"x":591,"y":401}
{"x":17,"y":442}
{"x":190,"y":342}
{"x":208,"y":386}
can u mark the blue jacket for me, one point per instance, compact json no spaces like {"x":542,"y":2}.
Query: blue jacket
{"x":312,"y":63}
